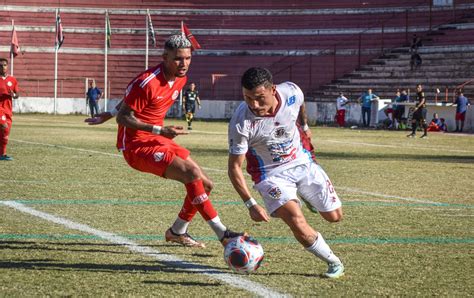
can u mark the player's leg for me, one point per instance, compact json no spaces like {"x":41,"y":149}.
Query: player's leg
{"x":188,"y":210}
{"x":192,"y":177}
{"x":280,"y":196}
{"x":423,"y":123}
{"x":311,"y":240}
{"x":5,"y":125}
{"x":414,"y":122}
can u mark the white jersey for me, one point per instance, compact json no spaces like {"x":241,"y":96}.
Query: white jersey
{"x":341,"y":102}
{"x":271,"y":143}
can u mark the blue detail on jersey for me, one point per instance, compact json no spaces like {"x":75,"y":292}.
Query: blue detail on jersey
{"x":291,"y":100}
{"x":257,"y":171}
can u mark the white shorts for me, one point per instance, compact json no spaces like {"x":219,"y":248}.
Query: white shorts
{"x":309,"y":181}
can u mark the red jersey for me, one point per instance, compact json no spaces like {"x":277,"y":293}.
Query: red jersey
{"x":7,"y":84}
{"x":150,"y":96}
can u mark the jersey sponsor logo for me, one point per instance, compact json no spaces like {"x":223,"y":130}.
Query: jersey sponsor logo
{"x":282,"y":152}
{"x":158,"y":156}
{"x":200,"y":199}
{"x":291,"y":100}
{"x":159,"y":97}
{"x":175,"y":94}
{"x":275,"y":192}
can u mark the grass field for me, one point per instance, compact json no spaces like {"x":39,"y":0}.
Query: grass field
{"x":76,"y":220}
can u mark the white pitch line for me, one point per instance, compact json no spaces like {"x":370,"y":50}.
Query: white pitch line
{"x":166,"y":259}
{"x":398,"y":146}
{"x":385,"y":196}
{"x":69,"y":148}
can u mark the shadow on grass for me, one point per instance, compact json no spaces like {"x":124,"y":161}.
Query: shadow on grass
{"x":165,"y":262}
{"x":396,"y":156}
{"x":183,"y":283}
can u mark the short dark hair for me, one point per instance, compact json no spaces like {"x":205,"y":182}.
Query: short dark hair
{"x":3,"y":60}
{"x":256,"y":76}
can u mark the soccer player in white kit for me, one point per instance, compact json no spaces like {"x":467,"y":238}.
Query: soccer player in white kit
{"x":263,"y":131}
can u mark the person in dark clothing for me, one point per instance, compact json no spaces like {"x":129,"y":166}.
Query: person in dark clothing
{"x":419,"y":114}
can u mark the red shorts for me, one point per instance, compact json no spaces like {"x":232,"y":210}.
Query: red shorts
{"x":154,"y":156}
{"x":461,"y":116}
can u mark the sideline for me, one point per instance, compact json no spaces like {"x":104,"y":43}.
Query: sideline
{"x":166,"y":259}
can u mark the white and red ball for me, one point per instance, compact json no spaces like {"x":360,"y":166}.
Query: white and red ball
{"x":243,"y":254}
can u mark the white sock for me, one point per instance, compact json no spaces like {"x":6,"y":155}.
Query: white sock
{"x":322,"y":250}
{"x":217,"y":226}
{"x":180,"y":226}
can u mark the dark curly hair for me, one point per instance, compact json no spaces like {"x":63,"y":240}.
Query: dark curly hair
{"x":256,"y":76}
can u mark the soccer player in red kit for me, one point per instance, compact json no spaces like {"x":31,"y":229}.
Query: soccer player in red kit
{"x":8,"y":91}
{"x":147,"y":145}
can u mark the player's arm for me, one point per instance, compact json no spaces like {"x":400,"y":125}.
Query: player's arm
{"x":422,"y":102}
{"x":257,"y":212}
{"x":198,"y":101}
{"x":303,"y":120}
{"x":183,"y":104}
{"x":126,"y":117}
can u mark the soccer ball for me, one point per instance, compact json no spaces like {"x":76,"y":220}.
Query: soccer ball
{"x":243,"y":254}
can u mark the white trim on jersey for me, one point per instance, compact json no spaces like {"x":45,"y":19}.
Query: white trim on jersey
{"x":150,"y":77}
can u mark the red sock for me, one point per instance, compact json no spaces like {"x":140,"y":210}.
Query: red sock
{"x":188,"y":210}
{"x":198,"y":198}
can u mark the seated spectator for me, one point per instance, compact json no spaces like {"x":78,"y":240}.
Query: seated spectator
{"x":435,"y":124}
{"x":443,"y":127}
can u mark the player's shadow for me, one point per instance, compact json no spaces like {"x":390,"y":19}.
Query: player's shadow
{"x":60,"y":246}
{"x":165,"y":262}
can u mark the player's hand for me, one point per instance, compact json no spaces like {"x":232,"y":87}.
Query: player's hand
{"x":257,"y":213}
{"x":308,"y":133}
{"x":199,"y":106}
{"x":172,"y":131}
{"x":99,"y":119}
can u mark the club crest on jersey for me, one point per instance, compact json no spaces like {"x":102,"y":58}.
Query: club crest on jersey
{"x":275,"y":193}
{"x":158,"y":156}
{"x":291,"y":100}
{"x":279,"y":132}
{"x":9,"y":84}
{"x":175,"y":94}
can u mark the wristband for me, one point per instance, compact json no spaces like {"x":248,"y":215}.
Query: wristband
{"x":156,"y":130}
{"x":250,"y":203}
{"x":305,"y":127}
{"x":114,"y":112}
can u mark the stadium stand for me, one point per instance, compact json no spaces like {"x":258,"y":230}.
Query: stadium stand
{"x":332,"y":45}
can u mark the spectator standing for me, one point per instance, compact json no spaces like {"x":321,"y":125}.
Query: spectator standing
{"x":366,"y":100}
{"x":8,"y":91}
{"x":399,"y":109}
{"x":461,"y":108}
{"x":93,"y":96}
{"x":341,"y":102}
